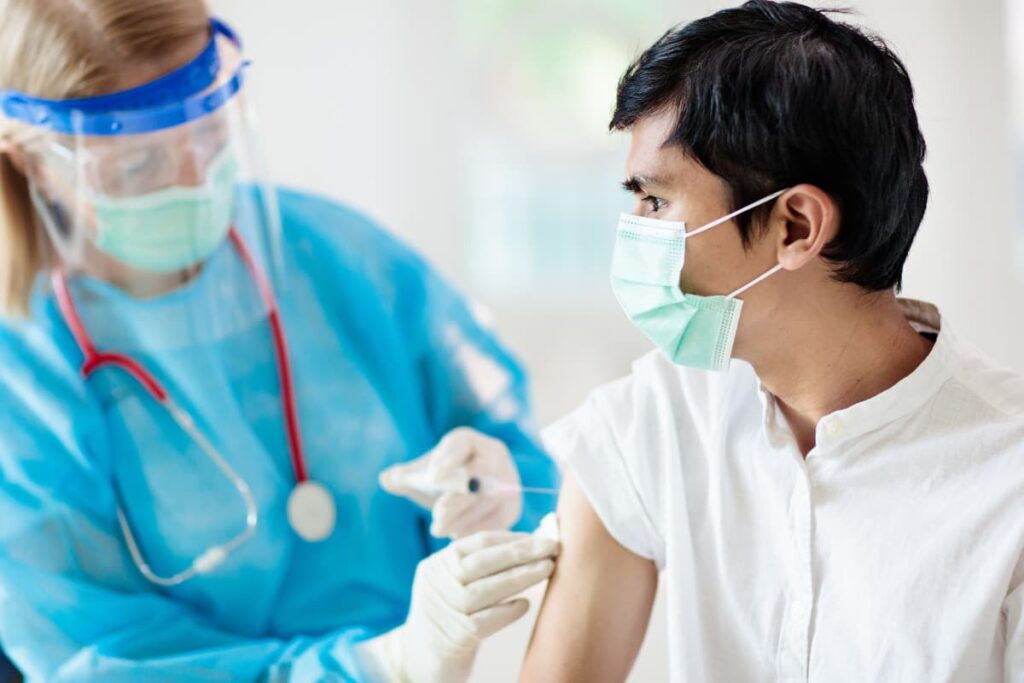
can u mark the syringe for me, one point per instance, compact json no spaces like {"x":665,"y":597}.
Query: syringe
{"x":475,"y":485}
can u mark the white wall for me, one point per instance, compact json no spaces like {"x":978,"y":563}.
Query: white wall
{"x":362,"y":101}
{"x":964,"y":259}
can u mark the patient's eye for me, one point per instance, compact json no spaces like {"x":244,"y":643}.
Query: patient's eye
{"x":655,"y":203}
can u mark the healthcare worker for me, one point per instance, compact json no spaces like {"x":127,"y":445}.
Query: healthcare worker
{"x":203,"y":379}
{"x":829,"y":480}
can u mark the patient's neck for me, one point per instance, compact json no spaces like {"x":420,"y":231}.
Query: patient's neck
{"x":841,"y":346}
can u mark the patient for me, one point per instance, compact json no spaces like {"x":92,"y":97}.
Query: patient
{"x":843,"y":501}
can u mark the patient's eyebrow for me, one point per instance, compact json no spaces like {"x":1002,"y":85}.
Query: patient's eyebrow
{"x":641,"y":183}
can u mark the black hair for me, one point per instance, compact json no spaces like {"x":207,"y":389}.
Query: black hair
{"x":773,"y":94}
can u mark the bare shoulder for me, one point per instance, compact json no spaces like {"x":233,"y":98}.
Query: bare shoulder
{"x":595,"y":613}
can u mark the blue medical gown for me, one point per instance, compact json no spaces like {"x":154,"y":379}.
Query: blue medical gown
{"x":386,"y":358}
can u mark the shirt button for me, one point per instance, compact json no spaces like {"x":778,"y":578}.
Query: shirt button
{"x":834,"y":428}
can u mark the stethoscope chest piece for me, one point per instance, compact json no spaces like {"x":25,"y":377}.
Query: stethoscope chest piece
{"x":311,"y":511}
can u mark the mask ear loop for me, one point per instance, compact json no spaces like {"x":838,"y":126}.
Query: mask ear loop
{"x":724,"y":219}
{"x":737,"y":212}
{"x":763,"y":276}
{"x":729,"y":217}
{"x":67,"y":243}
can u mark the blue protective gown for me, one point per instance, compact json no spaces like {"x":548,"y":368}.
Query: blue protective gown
{"x":386,"y":357}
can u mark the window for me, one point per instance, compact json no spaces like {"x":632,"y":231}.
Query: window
{"x":542,"y":171}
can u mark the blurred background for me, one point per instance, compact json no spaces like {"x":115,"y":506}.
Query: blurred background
{"x":476,"y":130}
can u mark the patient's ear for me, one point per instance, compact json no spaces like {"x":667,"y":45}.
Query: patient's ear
{"x":805,"y":219}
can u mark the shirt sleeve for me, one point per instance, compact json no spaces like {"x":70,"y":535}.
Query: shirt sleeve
{"x":585,"y":443}
{"x":73,"y":607}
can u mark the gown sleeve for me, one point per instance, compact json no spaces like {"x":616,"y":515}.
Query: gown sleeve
{"x":472,"y":380}
{"x":424,"y":341}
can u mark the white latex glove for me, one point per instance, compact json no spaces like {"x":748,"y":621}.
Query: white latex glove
{"x":437,"y":481}
{"x":460,"y":596}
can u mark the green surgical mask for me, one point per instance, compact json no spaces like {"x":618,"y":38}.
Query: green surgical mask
{"x":170,"y":229}
{"x":696,"y":331}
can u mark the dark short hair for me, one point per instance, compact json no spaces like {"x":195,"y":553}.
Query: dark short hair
{"x":773,"y":94}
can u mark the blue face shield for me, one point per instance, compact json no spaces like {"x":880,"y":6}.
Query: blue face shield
{"x":138,"y":190}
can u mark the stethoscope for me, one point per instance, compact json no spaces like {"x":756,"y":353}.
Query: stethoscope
{"x":311,"y":509}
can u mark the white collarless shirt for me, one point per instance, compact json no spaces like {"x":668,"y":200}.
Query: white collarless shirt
{"x":894,"y":552}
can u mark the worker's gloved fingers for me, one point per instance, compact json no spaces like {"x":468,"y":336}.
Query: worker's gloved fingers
{"x":448,"y":508}
{"x":452,"y":452}
{"x":497,"y":588}
{"x":489,"y":621}
{"x":482,"y":516}
{"x":505,"y":514}
{"x":454,"y":607}
{"x":490,"y":512}
{"x":423,"y":479}
{"x":485,"y":539}
{"x":400,"y":480}
{"x":496,"y":559}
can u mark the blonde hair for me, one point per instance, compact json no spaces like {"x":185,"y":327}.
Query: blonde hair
{"x":61,"y":49}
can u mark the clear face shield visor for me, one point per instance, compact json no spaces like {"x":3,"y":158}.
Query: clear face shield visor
{"x":146,"y":195}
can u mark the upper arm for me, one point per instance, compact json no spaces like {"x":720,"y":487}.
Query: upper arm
{"x":598,"y":602}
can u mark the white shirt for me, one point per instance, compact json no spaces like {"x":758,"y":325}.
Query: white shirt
{"x":894,"y":552}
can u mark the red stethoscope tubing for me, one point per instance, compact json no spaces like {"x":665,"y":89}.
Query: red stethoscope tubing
{"x":95,"y":360}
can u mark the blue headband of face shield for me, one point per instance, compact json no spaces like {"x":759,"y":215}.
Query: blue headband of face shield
{"x":179,"y":97}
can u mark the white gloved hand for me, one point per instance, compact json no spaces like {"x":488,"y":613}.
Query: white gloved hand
{"x":460,"y":596}
{"x":438,"y":480}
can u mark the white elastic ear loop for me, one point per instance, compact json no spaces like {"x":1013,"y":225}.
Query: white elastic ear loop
{"x":68,"y":242}
{"x":737,"y":212}
{"x":763,"y":276}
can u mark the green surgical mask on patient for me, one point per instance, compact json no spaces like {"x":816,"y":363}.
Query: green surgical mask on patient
{"x":696,"y":331}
